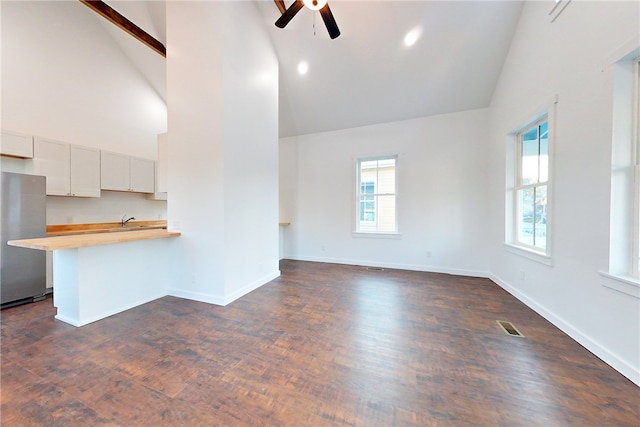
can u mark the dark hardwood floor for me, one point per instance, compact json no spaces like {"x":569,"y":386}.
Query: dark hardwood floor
{"x":322,"y":345}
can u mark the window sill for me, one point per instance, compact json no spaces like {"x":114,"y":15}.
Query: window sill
{"x":375,"y":235}
{"x":540,"y":257}
{"x":626,"y":284}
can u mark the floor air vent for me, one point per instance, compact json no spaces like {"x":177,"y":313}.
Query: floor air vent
{"x":509,"y":328}
{"x":375,"y":268}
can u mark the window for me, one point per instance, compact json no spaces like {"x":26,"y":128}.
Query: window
{"x":624,"y":219}
{"x":635,"y":267}
{"x":531,"y":186}
{"x":376,"y":195}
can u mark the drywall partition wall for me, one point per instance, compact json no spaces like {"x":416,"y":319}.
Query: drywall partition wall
{"x":441,"y":194}
{"x":196,"y":149}
{"x":66,"y":78}
{"x":250,"y":80}
{"x":568,"y":58}
{"x":222,"y":139}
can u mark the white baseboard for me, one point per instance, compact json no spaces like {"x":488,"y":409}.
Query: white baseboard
{"x":223,"y":300}
{"x":395,"y":266}
{"x":251,"y":287}
{"x":587,"y":342}
{"x":196,"y":296}
{"x":86,"y":320}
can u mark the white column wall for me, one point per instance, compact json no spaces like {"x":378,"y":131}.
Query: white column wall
{"x":222,"y":139}
{"x":441,"y":194}
{"x":569,"y":59}
{"x":251,"y":152}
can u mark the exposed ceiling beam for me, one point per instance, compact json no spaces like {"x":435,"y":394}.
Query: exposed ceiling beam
{"x":281,"y":6}
{"x":114,"y":17}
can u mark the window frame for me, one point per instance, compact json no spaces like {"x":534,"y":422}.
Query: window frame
{"x":624,"y":218}
{"x":358,"y":231}
{"x":520,"y":186}
{"x":545,"y":110}
{"x":635,"y":251}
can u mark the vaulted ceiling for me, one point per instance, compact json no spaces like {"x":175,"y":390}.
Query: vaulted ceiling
{"x":367,"y":75}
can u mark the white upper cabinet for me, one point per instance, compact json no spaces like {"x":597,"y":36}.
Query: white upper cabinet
{"x":114,"y":171}
{"x":16,"y":145}
{"x":120,"y":172}
{"x":51,"y":159}
{"x":143,"y":175}
{"x":85,"y":171}
{"x":71,"y":170}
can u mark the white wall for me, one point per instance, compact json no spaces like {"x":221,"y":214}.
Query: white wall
{"x":109,"y":207}
{"x":222,"y":138}
{"x":568,"y":58}
{"x":251,"y":151}
{"x":64,"y":78}
{"x":441,"y":194}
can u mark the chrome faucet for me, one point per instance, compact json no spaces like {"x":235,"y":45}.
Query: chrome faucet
{"x":125,"y":221}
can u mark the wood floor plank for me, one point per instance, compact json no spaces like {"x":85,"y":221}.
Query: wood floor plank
{"x":322,"y":345}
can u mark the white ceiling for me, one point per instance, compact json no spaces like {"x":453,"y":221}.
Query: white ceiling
{"x":367,"y":75}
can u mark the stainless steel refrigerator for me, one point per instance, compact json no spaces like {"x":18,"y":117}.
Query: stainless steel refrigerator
{"x":23,"y":206}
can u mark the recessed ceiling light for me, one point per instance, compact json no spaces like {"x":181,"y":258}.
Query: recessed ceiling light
{"x":303,"y":67}
{"x":412,"y":36}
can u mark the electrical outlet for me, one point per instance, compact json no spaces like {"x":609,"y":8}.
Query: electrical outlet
{"x":428,"y":254}
{"x":522,"y":275}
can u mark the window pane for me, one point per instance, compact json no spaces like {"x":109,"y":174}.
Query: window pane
{"x":387,"y":176}
{"x":525,"y":216}
{"x":387,"y":213}
{"x":367,"y":188}
{"x":529,"y":157}
{"x":540,"y":217}
{"x":367,"y":208}
{"x":544,"y":152}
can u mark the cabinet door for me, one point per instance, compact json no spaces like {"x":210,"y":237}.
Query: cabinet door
{"x":114,"y":171}
{"x":51,"y":159}
{"x":85,"y":171}
{"x":143,"y":175}
{"x":16,"y":145}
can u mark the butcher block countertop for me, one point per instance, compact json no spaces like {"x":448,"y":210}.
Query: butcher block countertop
{"x":101,"y":227}
{"x":91,"y":239}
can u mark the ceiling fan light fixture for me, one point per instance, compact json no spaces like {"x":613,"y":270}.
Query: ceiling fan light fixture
{"x":315,"y":4}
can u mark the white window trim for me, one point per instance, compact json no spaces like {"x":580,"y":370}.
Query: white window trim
{"x":356,"y":232}
{"x":635,"y":252}
{"x":622,"y":273}
{"x":544,"y":256}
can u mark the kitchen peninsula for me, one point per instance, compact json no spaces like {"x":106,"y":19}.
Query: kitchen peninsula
{"x":97,"y":275}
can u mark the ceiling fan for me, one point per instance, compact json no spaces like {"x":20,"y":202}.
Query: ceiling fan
{"x":321,"y":5}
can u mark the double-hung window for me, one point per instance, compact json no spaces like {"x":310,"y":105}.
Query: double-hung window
{"x":635,"y":265}
{"x":376,"y":195}
{"x":531,"y":186}
{"x":624,"y":221}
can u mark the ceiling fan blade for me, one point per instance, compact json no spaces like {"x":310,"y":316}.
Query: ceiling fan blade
{"x":289,"y":14}
{"x":329,"y":21}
